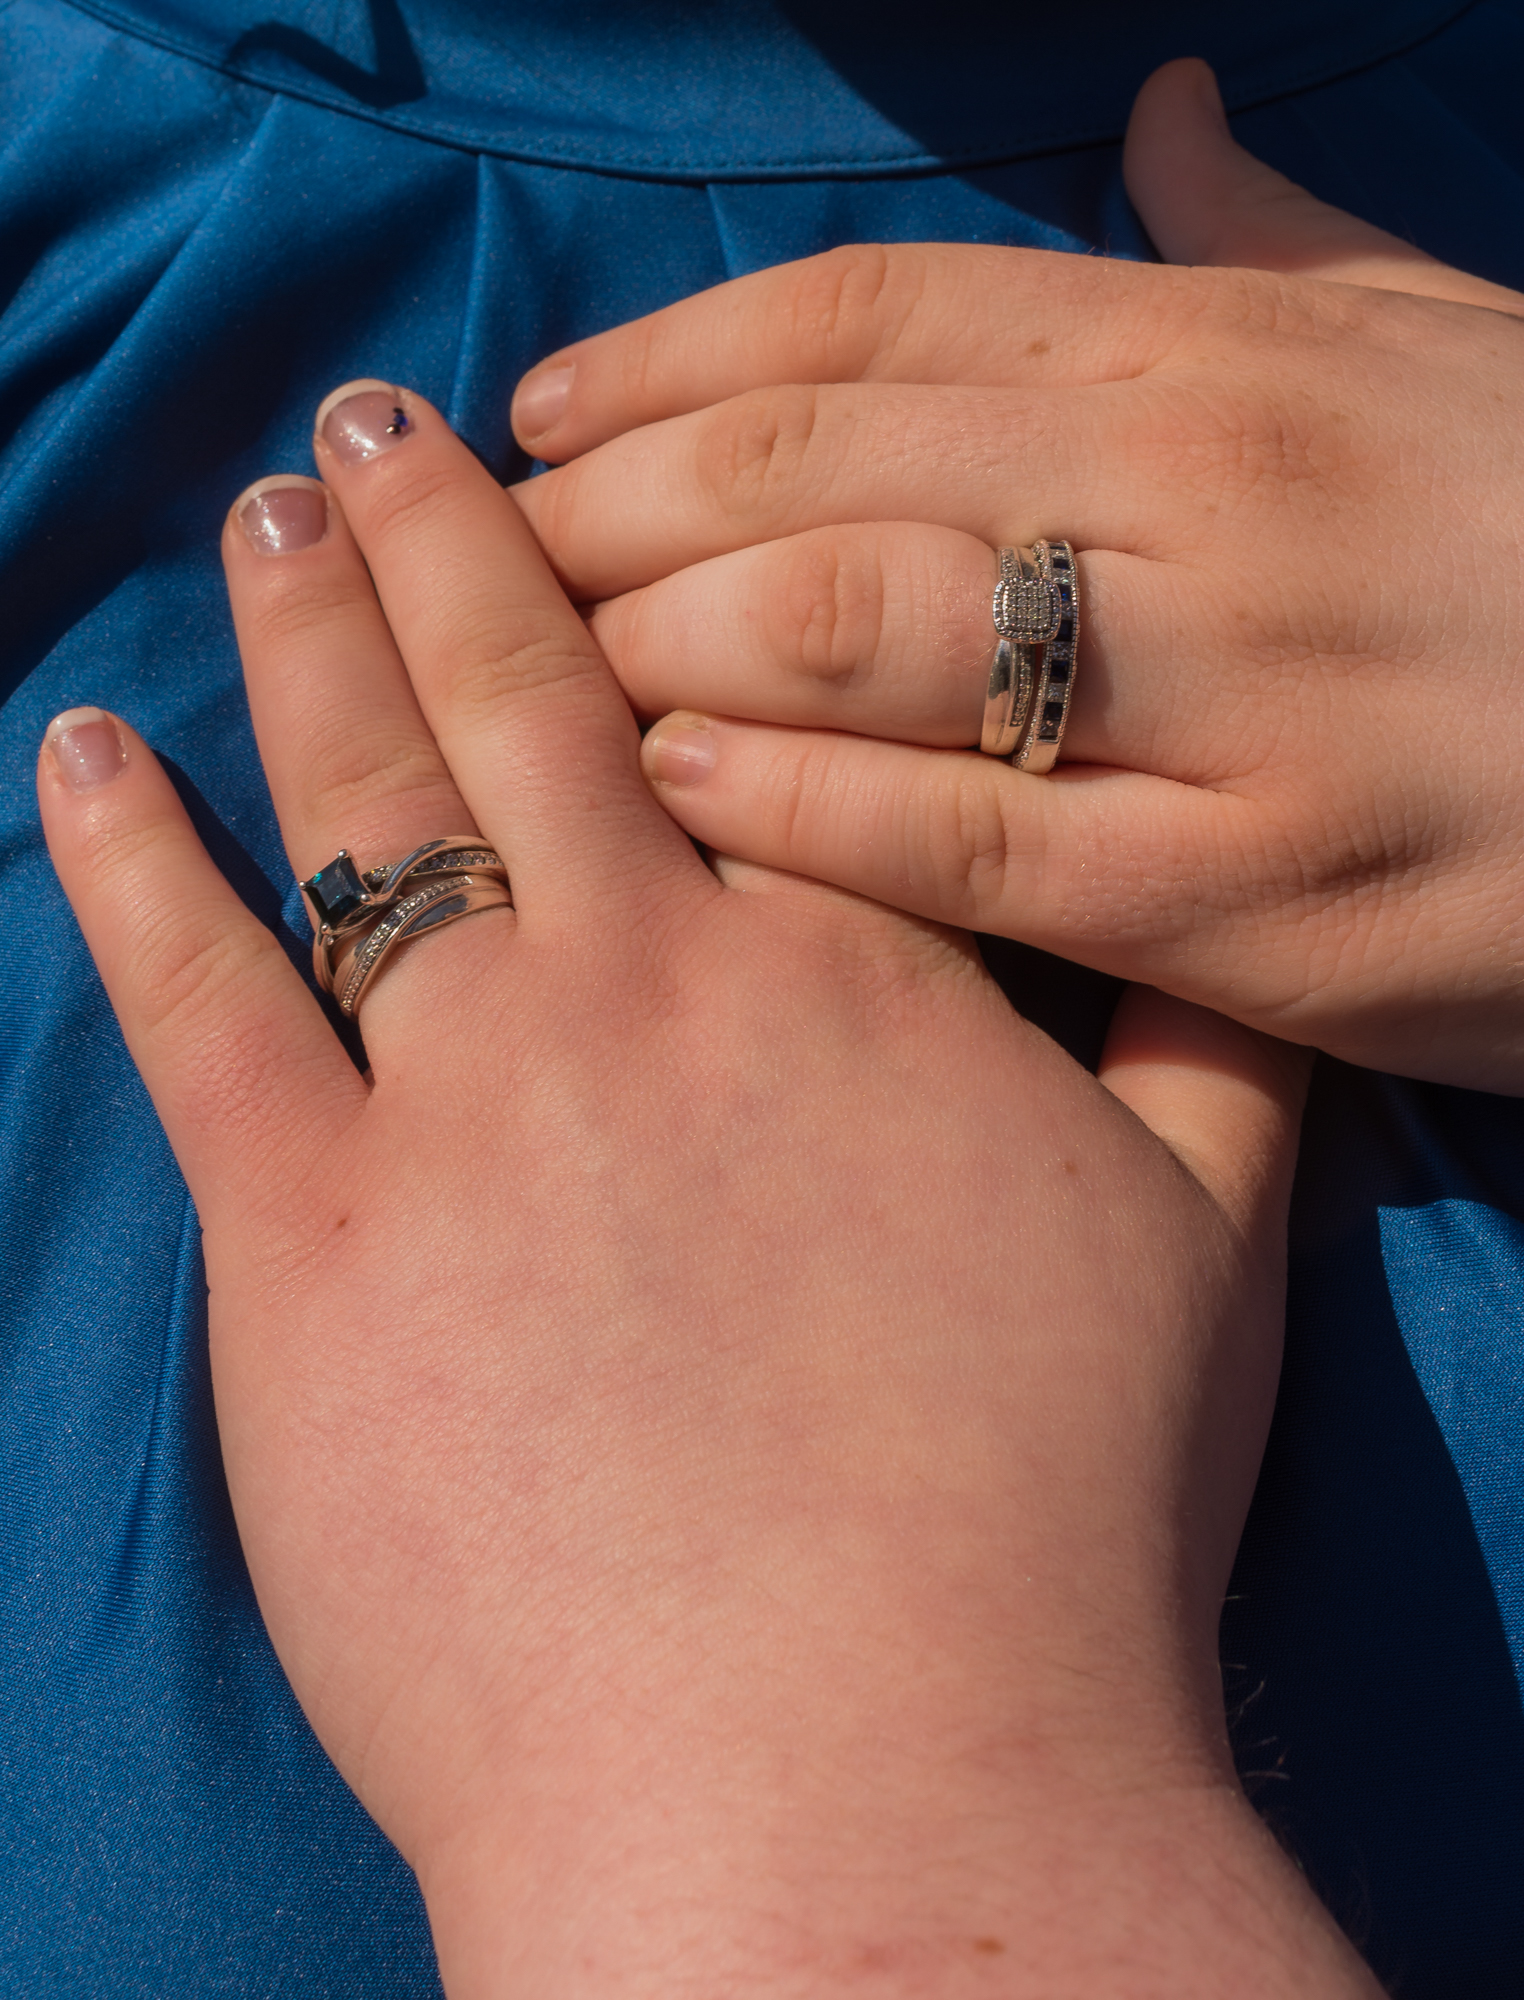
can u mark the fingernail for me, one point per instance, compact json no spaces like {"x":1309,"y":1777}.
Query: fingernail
{"x":86,"y":747}
{"x":283,"y":514}
{"x":540,"y":400}
{"x":681,"y":750}
{"x":362,"y":420}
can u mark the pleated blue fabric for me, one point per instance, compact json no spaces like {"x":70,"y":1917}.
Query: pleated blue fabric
{"x":211,"y":211}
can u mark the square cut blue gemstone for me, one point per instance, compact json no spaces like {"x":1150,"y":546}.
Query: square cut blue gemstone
{"x":336,"y":891}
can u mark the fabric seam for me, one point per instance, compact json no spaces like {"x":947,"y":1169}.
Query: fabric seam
{"x":888,"y":166}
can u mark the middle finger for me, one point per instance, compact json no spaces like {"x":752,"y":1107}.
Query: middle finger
{"x":325,"y":680}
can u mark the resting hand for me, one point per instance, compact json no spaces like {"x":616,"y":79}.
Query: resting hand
{"x":1291,"y":787}
{"x":738,"y":1441}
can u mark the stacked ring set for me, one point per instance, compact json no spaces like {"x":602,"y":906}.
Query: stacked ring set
{"x":1036,"y":613}
{"x":361,"y":920}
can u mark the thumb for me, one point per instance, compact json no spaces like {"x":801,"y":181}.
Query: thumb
{"x":1226,"y":1100}
{"x":1204,"y":200}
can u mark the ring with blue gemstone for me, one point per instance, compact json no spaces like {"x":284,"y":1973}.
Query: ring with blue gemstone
{"x":343,"y":900}
{"x":1054,"y":683}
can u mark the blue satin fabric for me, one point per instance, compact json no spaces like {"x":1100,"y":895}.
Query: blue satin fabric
{"x":210,"y":212}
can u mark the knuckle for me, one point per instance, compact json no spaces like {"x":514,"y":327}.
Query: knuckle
{"x":291,"y":610}
{"x":972,"y":848}
{"x":545,"y":646}
{"x":356,"y":770}
{"x":180,"y":976}
{"x":1226,"y":445}
{"x":409,"y":489}
{"x":752,"y":452}
{"x":832,"y":609}
{"x":837,"y":301}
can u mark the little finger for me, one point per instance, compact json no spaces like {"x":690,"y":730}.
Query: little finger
{"x":1128,"y":873}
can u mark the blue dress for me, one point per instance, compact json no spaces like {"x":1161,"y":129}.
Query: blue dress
{"x":211,"y":211}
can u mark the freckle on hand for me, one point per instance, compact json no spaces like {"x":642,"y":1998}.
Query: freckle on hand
{"x":989,"y":1946}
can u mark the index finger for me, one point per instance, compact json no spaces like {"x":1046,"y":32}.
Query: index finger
{"x":871,"y":312}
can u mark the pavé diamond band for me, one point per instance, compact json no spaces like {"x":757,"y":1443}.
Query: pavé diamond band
{"x":1008,"y":697}
{"x":425,"y":907}
{"x":1036,"y":618}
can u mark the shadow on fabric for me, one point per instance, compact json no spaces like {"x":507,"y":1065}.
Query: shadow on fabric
{"x":396,"y":79}
{"x":1376,"y":1711}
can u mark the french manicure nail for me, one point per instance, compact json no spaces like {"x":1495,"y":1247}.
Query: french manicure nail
{"x":541,"y":399}
{"x":362,"y":420}
{"x":281,"y":515}
{"x":681,"y":751}
{"x":86,"y":747}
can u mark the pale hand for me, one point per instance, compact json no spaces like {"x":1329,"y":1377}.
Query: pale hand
{"x":1291,"y":787}
{"x":738,"y":1440}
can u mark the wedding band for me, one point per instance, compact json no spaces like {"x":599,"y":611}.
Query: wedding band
{"x":1055,"y":675}
{"x":1008,"y":696}
{"x":342,"y":902}
{"x":427,"y":908}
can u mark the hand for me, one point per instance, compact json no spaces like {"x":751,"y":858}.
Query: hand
{"x":1292,"y":786}
{"x":739,"y":1442}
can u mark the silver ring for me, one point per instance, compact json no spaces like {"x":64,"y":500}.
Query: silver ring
{"x":428,"y":907}
{"x":1055,"y":679}
{"x":342,"y":902}
{"x":1008,"y":697}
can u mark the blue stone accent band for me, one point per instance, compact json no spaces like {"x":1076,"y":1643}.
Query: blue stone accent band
{"x":1055,"y":681}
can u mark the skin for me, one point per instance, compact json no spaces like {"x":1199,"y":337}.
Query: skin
{"x":738,"y":1440}
{"x":1290,"y":779}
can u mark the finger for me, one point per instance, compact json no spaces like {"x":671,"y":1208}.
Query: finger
{"x":1225,"y":1100}
{"x":883,"y":629}
{"x":350,"y":760}
{"x":887,"y":630}
{"x":783,"y":461}
{"x":250,"y":1083}
{"x":1127,"y":873}
{"x":919,"y":312}
{"x":1205,"y":200}
{"x":526,"y":714}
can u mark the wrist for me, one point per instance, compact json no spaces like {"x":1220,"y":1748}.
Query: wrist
{"x":1169,"y":1892}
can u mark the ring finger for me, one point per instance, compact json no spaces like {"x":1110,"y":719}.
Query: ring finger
{"x":886,"y":629}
